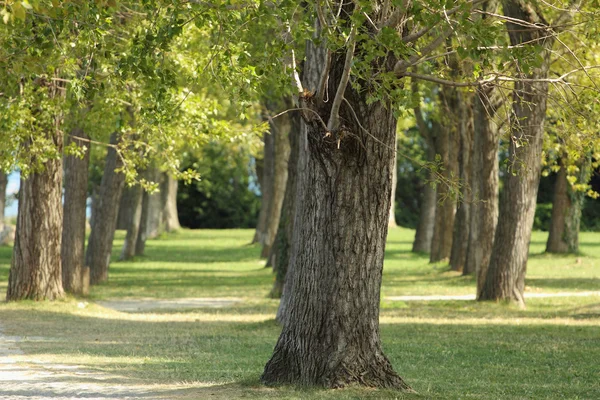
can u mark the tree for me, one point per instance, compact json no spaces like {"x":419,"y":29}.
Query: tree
{"x":75,"y":276}
{"x":447,"y":147}
{"x":567,"y":206}
{"x":505,"y":276}
{"x":104,"y":215}
{"x":35,"y":270}
{"x":134,"y":197}
{"x":266,"y":180}
{"x":169,"y":200}
{"x":484,"y":210}
{"x":280,"y":132}
{"x":424,"y":231}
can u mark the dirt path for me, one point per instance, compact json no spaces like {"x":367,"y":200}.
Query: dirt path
{"x":168,"y":304}
{"x":472,"y":296}
{"x":23,"y":377}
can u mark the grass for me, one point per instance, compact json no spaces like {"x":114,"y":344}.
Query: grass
{"x":445,"y":349}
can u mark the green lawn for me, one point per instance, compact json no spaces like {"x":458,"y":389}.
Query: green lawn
{"x":445,"y":350}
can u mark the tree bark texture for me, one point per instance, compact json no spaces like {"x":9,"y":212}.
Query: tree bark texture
{"x":104,"y":218}
{"x":330,"y":333}
{"x":424,"y":232}
{"x":505,"y":277}
{"x":283,"y":242}
{"x":446,"y":145}
{"x":35,"y":270}
{"x":266,"y":188}
{"x":134,"y":197}
{"x":484,"y":209}
{"x":566,"y":209}
{"x":169,"y":198}
{"x":3,"y":184}
{"x":460,"y":239}
{"x":280,"y":131}
{"x":74,"y":217}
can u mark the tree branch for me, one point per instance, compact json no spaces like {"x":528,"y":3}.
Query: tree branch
{"x":334,"y":117}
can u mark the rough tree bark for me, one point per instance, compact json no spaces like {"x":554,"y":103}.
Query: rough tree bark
{"x":330,"y":336}
{"x":280,"y":131}
{"x":424,"y":232}
{"x":283,"y":242}
{"x":75,"y":276}
{"x":266,"y":187}
{"x":104,"y":216}
{"x":35,"y":270}
{"x":446,"y":145}
{"x":460,"y":239}
{"x":168,"y":191}
{"x":566,"y":209}
{"x":134,"y":205}
{"x":505,"y":277}
{"x":484,"y":210}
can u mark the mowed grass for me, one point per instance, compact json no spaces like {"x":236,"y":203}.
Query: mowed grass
{"x":444,"y":349}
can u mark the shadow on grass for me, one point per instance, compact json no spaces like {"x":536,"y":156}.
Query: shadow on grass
{"x":565,"y":284}
{"x":440,"y":360}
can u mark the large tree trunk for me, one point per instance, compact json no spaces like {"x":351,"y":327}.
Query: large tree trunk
{"x":266,"y":188}
{"x":104,"y":216}
{"x":283,"y":242}
{"x":446,"y":145}
{"x":280,"y":130}
{"x":460,"y":239}
{"x":505,"y":277}
{"x":169,"y":198}
{"x":140,"y":244}
{"x":566,"y":210}
{"x":484,"y":210}
{"x":3,"y":184}
{"x":330,"y":334}
{"x":135,"y":196}
{"x":74,"y":218}
{"x":35,"y":270}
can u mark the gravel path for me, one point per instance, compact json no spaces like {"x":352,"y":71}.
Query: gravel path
{"x":22,"y":377}
{"x":472,"y":296}
{"x":171,"y":304}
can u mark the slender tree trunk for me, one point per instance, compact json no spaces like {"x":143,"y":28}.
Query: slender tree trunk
{"x":446,"y":145}
{"x":154,"y":216}
{"x":124,"y":210}
{"x":169,"y":193}
{"x":460,"y":240}
{"x":105,"y":216}
{"x":35,"y":270}
{"x":280,"y":131}
{"x":266,"y":188}
{"x":505,"y":277}
{"x":74,"y":218}
{"x":135,"y":196}
{"x":424,"y":232}
{"x":392,"y":218}
{"x":330,"y":334}
{"x":283,"y":242}
{"x":140,"y":244}
{"x":484,"y":210}
{"x":3,"y":184}
{"x":566,"y":210}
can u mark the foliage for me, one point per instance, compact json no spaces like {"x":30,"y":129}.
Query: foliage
{"x":223,"y":198}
